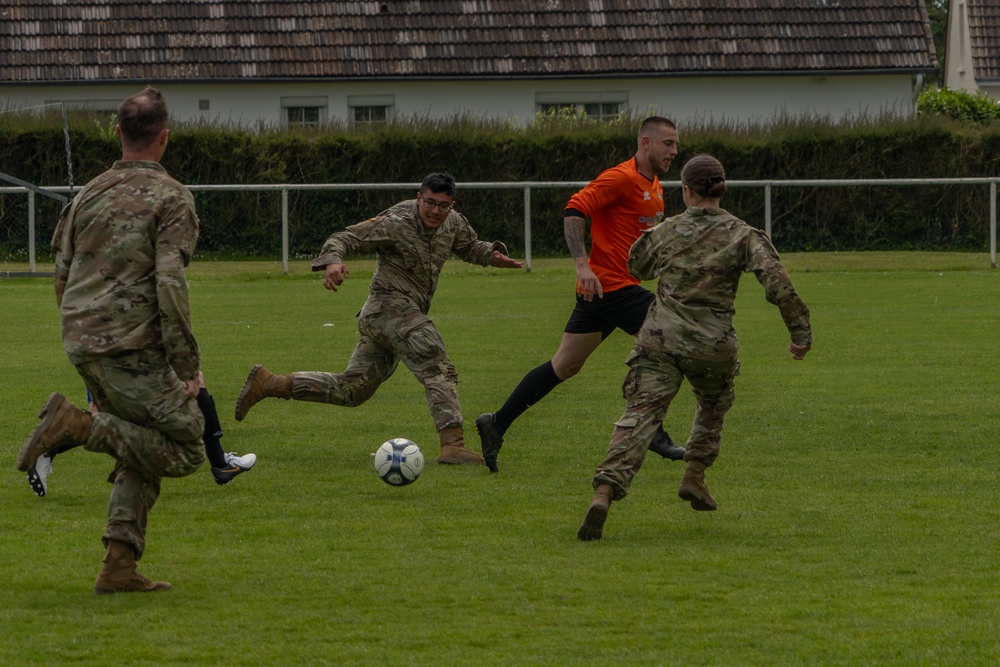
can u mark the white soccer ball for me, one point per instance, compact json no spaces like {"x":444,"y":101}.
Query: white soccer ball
{"x":399,"y":462}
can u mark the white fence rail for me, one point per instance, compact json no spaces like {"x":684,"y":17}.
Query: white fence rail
{"x":527,"y":187}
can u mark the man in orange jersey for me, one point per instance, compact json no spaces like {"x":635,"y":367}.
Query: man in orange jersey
{"x":621,"y":202}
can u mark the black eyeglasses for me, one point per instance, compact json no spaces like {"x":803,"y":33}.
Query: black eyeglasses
{"x":443,"y":206}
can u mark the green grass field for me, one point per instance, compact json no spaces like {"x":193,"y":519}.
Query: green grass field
{"x":858,"y":490}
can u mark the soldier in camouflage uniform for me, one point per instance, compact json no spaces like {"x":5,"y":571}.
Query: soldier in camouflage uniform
{"x":698,"y":257}
{"x":121,"y":249}
{"x":412,"y":240}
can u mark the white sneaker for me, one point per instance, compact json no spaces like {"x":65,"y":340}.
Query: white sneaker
{"x":38,"y":476}
{"x":235,"y":465}
{"x":246,"y":461}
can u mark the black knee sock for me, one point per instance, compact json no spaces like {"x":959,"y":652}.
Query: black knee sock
{"x":59,"y":450}
{"x":213,"y":430}
{"x":533,"y":387}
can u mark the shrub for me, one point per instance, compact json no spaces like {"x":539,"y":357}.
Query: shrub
{"x":247,"y":224}
{"x":959,"y":104}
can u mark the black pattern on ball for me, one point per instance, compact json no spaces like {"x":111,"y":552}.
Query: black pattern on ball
{"x":399,"y":462}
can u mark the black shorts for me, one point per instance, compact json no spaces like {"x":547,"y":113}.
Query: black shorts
{"x":623,"y":309}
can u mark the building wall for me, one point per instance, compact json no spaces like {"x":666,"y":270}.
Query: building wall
{"x":742,"y":99}
{"x":959,"y":73}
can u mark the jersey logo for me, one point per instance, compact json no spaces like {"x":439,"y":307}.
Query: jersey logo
{"x":645,"y":195}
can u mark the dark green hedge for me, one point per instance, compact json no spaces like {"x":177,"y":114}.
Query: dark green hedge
{"x":820,"y":218}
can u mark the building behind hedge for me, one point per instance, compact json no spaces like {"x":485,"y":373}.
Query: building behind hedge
{"x":273,"y":63}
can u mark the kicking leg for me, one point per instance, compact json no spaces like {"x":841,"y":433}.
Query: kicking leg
{"x":573,"y":352}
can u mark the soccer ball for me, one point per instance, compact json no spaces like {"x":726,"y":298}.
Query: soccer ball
{"x":399,"y":462}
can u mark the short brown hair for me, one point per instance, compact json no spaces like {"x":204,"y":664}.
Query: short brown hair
{"x":655,"y":121}
{"x":440,"y":183}
{"x":705,"y":175}
{"x":142,"y":117}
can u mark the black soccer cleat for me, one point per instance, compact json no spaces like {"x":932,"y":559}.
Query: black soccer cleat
{"x":38,"y":475}
{"x":491,"y":437}
{"x":235,"y":465}
{"x":663,"y":445}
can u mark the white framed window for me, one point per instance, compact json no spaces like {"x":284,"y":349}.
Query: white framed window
{"x":371,"y":109}
{"x":303,"y":111}
{"x":599,"y":106}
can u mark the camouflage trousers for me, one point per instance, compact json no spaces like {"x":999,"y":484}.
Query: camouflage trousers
{"x":389,"y":333}
{"x":652,"y":382}
{"x":149,"y":426}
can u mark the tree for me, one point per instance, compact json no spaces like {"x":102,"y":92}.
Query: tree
{"x":937,"y":10}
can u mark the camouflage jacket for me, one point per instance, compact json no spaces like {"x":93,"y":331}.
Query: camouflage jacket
{"x":121,"y":248}
{"x":699,"y":257}
{"x":409,"y":255}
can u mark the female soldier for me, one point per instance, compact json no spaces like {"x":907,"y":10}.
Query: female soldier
{"x":698,"y":257}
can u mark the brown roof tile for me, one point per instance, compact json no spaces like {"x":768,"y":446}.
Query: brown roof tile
{"x":984,"y":37}
{"x":77,"y":40}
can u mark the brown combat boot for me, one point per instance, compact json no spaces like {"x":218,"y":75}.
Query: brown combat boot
{"x":693,"y":488}
{"x":261,"y":383}
{"x":62,"y":424}
{"x":592,"y":527}
{"x":453,"y":449}
{"x":119,"y":576}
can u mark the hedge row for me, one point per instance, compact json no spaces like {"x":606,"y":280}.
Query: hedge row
{"x":820,"y":218}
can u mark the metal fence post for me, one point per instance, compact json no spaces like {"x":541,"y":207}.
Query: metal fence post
{"x":767,"y":210}
{"x":31,"y":231}
{"x":284,"y":231}
{"x":527,"y":228}
{"x":993,"y":224}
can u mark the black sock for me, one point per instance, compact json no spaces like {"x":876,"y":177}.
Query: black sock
{"x":533,"y":387}
{"x":213,"y":430}
{"x":59,"y":450}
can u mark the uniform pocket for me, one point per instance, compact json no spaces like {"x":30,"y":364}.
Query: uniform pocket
{"x":627,"y":422}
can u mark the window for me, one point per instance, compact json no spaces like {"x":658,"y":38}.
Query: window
{"x":371,"y":109}
{"x":370,"y":115}
{"x":302,"y":115}
{"x":303,"y":111}
{"x":599,"y":106}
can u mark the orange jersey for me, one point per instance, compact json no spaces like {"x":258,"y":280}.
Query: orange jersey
{"x":620,"y":203}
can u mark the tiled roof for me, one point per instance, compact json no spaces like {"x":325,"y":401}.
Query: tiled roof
{"x":984,"y":37}
{"x":119,"y":40}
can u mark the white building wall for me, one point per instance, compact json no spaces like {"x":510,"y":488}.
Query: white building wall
{"x":731,"y":99}
{"x":959,"y":73}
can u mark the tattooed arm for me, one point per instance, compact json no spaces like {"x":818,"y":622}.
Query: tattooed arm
{"x":587,"y":283}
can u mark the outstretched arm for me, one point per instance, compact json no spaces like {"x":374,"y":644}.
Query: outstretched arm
{"x":335,"y":274}
{"x":587,"y":283}
{"x":779,"y":290}
{"x":502,"y":261}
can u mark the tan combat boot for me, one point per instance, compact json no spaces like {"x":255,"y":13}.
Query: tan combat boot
{"x":62,"y":424}
{"x":119,"y":576}
{"x":261,"y":383}
{"x":693,"y":488}
{"x":592,"y":527}
{"x":453,"y":449}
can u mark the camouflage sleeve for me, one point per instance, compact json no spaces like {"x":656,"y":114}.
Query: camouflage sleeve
{"x":641,"y":258}
{"x":469,"y":248}
{"x":62,"y":245}
{"x":366,"y":236}
{"x":176,"y":236}
{"x":762,"y":259}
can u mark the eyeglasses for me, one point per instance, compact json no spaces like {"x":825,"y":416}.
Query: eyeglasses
{"x":442,"y":206}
